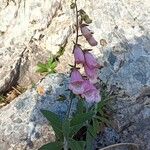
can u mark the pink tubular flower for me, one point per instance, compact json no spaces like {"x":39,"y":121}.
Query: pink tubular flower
{"x":92,"y":41}
{"x":85,"y":31}
{"x":76,"y":82}
{"x":92,"y":74}
{"x":91,"y":94}
{"x":90,"y":60}
{"x":88,"y":35}
{"x":78,"y":55}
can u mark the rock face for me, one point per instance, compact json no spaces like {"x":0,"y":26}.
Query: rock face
{"x":27,"y":36}
{"x":22,"y":125}
{"x":129,"y":72}
{"x":30,"y":31}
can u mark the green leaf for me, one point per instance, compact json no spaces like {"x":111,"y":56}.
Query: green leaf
{"x":52,"y":146}
{"x":89,"y":141}
{"x":42,"y":70}
{"x":61,"y":51}
{"x":101,"y":104}
{"x":66,"y":128}
{"x":102,"y":119}
{"x":80,"y":107}
{"x":53,"y":65}
{"x":73,"y":5}
{"x":48,"y":67}
{"x":52,"y":71}
{"x":72,"y":95}
{"x":2,"y":98}
{"x":96,"y":125}
{"x":61,"y":98}
{"x":81,"y":118}
{"x":84,"y":16}
{"x":106,"y":97}
{"x":41,"y":65}
{"x":55,"y":122}
{"x":92,"y":131}
{"x":50,"y":61}
{"x":82,"y":12}
{"x":76,"y":145}
{"x":75,"y":129}
{"x":87,"y":19}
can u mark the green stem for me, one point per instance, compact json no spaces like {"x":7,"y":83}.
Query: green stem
{"x":71,"y":100}
{"x":65,"y":144}
{"x":77,"y":35}
{"x":69,"y":109}
{"x":68,"y":117}
{"x":95,"y":109}
{"x":77,"y":22}
{"x":87,"y":109}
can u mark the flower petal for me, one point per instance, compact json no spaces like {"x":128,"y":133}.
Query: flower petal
{"x":85,"y":31}
{"x":92,"y":74}
{"x":77,"y":88}
{"x":76,"y":76}
{"x":91,"y":94}
{"x":90,"y":60}
{"x":92,"y":41}
{"x":78,"y":55}
{"x":76,"y":82}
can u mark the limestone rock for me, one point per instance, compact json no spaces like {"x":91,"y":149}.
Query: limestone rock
{"x":38,"y":29}
{"x":132,"y":118}
{"x":129,"y":70}
{"x":22,"y":126}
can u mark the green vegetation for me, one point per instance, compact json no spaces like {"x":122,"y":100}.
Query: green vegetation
{"x":80,"y":129}
{"x":2,"y":98}
{"x":48,"y":67}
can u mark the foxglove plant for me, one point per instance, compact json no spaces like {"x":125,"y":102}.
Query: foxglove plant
{"x":88,"y":35}
{"x":81,"y":85}
{"x":90,"y":93}
{"x":90,"y":60}
{"x":91,"y":73}
{"x":76,"y":82}
{"x":91,"y":66}
{"x":78,"y":54}
{"x":85,"y":31}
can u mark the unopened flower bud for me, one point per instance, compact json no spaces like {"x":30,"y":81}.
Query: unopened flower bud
{"x":78,"y":55}
{"x":85,"y":31}
{"x":92,"y":41}
{"x":92,"y":74}
{"x":90,"y":60}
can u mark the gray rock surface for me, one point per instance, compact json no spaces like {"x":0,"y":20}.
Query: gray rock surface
{"x":22,"y":126}
{"x":30,"y":33}
{"x":133,"y":118}
{"x":27,"y":26}
{"x":129,"y":70}
{"x":108,"y":136}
